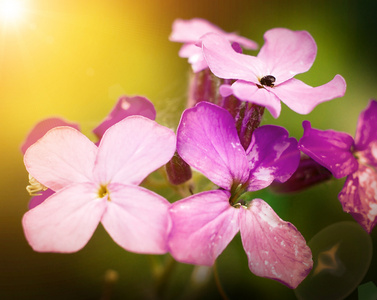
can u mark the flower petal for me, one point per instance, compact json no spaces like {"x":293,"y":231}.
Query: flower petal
{"x":65,"y":221}
{"x":250,"y":92}
{"x":272,"y":155}
{"x":62,"y":157}
{"x":41,"y":128}
{"x":366,"y":131}
{"x":125,"y":107}
{"x":137,"y":219}
{"x":202,"y":226}
{"x":303,"y":98}
{"x":190,"y":31}
{"x":329,"y":148}
{"x":226,"y":63}
{"x":207,"y":140}
{"x":36,"y":200}
{"x":275,"y":249}
{"x":287,"y":53}
{"x":359,"y":197}
{"x":133,"y":148}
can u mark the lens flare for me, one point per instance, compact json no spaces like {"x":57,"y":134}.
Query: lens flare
{"x":11,"y":10}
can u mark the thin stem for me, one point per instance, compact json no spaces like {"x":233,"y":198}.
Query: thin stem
{"x":218,"y":283}
{"x":163,"y":276}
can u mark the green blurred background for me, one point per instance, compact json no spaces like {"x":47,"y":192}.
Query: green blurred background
{"x":75,"y":58}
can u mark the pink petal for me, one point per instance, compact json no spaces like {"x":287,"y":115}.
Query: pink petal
{"x":137,"y":219}
{"x":366,"y":131}
{"x":62,"y":157}
{"x":247,"y":91}
{"x":195,"y":56}
{"x":359,"y":197}
{"x":226,"y":63}
{"x":125,"y":107}
{"x":207,"y":140}
{"x":303,"y":98}
{"x":65,"y":221}
{"x":287,"y":53}
{"x":190,"y":31}
{"x":202,"y":226}
{"x":41,"y":128}
{"x":275,"y":249}
{"x":133,"y":148}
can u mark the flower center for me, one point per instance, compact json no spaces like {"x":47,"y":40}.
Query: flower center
{"x":236,"y":198}
{"x":268,"y":80}
{"x":103,"y":191}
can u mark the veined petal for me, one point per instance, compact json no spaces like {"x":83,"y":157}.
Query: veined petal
{"x":359,"y":197}
{"x":250,"y":92}
{"x":226,"y":63}
{"x":133,"y":148}
{"x":62,"y":157}
{"x":303,"y":98}
{"x":287,"y":53}
{"x":275,"y":249}
{"x":329,"y":148}
{"x":202,"y":226}
{"x":41,"y":128}
{"x":272,"y":155}
{"x":366,"y":131}
{"x":137,"y":219}
{"x":207,"y":140}
{"x":125,"y":107}
{"x":65,"y":221}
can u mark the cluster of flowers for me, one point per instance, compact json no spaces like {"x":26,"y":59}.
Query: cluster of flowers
{"x":77,"y":183}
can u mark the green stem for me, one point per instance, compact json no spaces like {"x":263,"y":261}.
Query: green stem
{"x":218,"y":283}
{"x":163,"y":275}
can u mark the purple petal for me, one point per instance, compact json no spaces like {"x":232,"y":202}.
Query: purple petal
{"x":62,"y":157}
{"x":125,"y":107}
{"x":65,"y":221}
{"x":275,"y":249}
{"x":272,"y":155}
{"x":287,"y":53}
{"x":308,"y":173}
{"x":207,"y":140}
{"x":329,"y":148}
{"x":250,"y":92}
{"x":36,"y":200}
{"x":359,"y":197}
{"x":303,"y":98}
{"x":137,"y":219}
{"x":366,"y":131}
{"x":41,"y":128}
{"x":202,"y":226}
{"x":133,"y":148}
{"x":226,"y":63}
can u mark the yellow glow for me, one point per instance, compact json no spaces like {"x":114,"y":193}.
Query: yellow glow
{"x":11,"y":10}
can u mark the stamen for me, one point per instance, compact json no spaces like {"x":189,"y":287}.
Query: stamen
{"x":103,"y":191}
{"x":35,"y":187}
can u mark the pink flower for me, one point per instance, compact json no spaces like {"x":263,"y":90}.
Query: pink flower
{"x":267,"y":78}
{"x":126,"y":106}
{"x":189,"y":32}
{"x":99,"y":184}
{"x":205,"y":223}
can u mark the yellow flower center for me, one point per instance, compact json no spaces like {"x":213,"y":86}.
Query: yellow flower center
{"x":103,"y":191}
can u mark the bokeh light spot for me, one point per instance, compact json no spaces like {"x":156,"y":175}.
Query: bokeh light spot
{"x":11,"y":10}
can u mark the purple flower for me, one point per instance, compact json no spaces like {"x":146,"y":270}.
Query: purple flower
{"x":205,"y":223}
{"x":267,"y":78}
{"x":100,"y":184}
{"x":356,"y":159}
{"x":189,"y":32}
